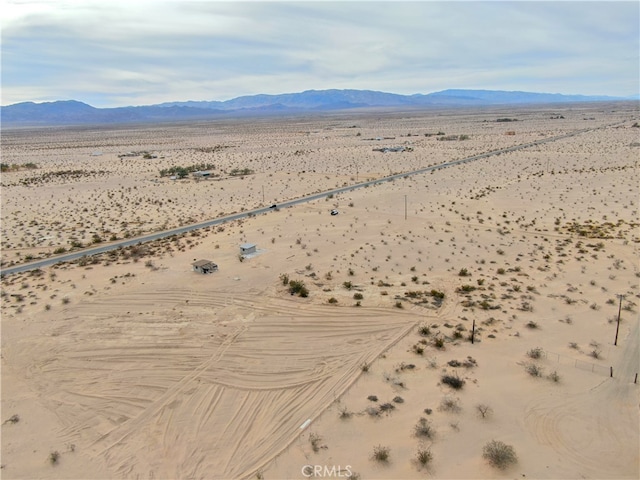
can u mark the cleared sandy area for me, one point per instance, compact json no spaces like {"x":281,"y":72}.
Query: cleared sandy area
{"x":131,"y":365}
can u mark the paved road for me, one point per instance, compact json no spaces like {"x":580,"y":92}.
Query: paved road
{"x":67,"y":257}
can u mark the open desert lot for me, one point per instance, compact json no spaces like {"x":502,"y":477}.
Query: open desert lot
{"x":492,"y":300}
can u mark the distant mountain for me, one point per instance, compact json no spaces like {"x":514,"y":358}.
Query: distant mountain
{"x":71,"y":112}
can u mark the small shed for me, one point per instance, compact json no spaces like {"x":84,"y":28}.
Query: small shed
{"x":247,"y":248}
{"x":204,"y":266}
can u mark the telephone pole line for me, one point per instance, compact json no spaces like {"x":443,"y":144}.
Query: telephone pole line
{"x":615,"y":342}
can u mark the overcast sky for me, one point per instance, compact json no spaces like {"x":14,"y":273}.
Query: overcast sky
{"x":111,"y":53}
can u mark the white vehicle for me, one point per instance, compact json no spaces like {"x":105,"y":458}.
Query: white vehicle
{"x":334,"y":212}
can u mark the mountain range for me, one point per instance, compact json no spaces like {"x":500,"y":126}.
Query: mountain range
{"x":71,"y":112}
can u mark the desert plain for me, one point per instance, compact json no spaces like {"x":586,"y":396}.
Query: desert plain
{"x":489,"y":301}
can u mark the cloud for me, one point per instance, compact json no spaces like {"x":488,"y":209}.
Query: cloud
{"x":141,"y":52}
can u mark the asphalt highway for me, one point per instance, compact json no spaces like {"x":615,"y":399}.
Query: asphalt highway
{"x":68,"y":257}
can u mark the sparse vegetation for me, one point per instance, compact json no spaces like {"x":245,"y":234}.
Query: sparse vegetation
{"x":450,"y":404}
{"x":424,"y":429}
{"x":453,"y":381}
{"x":381,"y":454}
{"x":533,"y":369}
{"x":297,"y":287}
{"x":484,"y":410}
{"x":499,"y":454}
{"x":535,"y":353}
{"x":54,"y":457}
{"x":316,"y":442}
{"x":424,"y":456}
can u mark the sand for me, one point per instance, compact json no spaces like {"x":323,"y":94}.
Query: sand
{"x":131,"y":365}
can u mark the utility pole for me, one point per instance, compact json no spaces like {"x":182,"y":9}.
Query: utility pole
{"x":615,"y":342}
{"x":405,"y":207}
{"x":473,"y":331}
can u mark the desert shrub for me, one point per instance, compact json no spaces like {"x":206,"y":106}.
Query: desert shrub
{"x":437,"y":294}
{"x":532,"y":325}
{"x":424,"y":456}
{"x":499,"y":454}
{"x":453,"y":381}
{"x":399,"y":304}
{"x":347,"y":285}
{"x":554,"y":377}
{"x":398,"y":399}
{"x":297,"y":287}
{"x":381,"y":454}
{"x":358,"y":296}
{"x":484,"y":410}
{"x":284,"y":278}
{"x":373,"y":398}
{"x":424,"y":330}
{"x":315,"y":441}
{"x":387,"y":406}
{"x":13,"y":419}
{"x":54,"y":457}
{"x":345,"y":413}
{"x":372,"y":411}
{"x":463,"y":272}
{"x":533,"y":369}
{"x":423,"y":429}
{"x":465,"y":289}
{"x":417,"y":348}
{"x":535,"y":353}
{"x":450,"y":404}
{"x":438,"y":342}
{"x":333,"y":300}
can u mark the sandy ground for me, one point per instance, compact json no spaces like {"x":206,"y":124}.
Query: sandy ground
{"x":131,"y":365}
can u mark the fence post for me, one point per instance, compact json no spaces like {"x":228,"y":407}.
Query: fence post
{"x":473,"y":331}
{"x":636,"y":379}
{"x":611,"y":372}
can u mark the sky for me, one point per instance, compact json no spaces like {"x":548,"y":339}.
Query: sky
{"x":112,"y":53}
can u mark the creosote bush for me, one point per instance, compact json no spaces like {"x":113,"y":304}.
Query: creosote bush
{"x":297,"y":287}
{"x":453,"y":381}
{"x":499,"y":454}
{"x":424,"y":330}
{"x":423,"y":429}
{"x":315,"y":441}
{"x":533,"y":370}
{"x":535,"y":353}
{"x":424,"y":456}
{"x":54,"y":457}
{"x":381,"y":454}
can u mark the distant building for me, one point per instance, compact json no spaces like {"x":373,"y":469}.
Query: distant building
{"x":393,"y":149}
{"x":204,"y":266}
{"x":201,"y":174}
{"x":247,"y":248}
